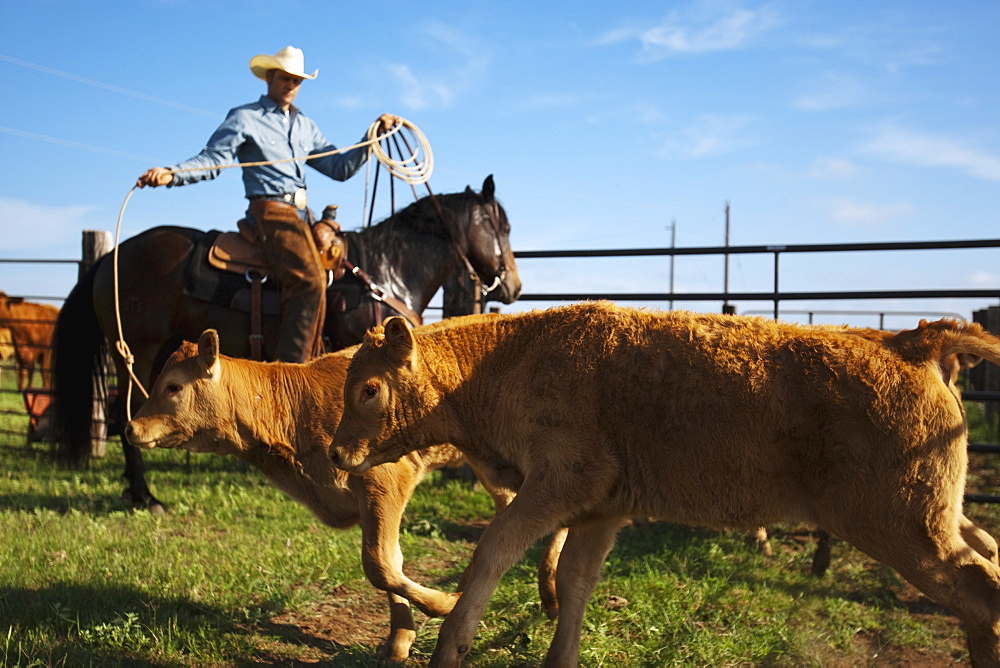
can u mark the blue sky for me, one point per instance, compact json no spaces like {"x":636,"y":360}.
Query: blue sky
{"x":602,"y":123}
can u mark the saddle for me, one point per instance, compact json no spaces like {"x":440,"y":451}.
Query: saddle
{"x":239,"y":252}
{"x":227,"y":269}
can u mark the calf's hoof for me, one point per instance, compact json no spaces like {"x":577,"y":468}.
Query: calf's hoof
{"x":397,"y":646}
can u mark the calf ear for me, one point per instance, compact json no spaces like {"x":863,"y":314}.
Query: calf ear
{"x":208,"y":352}
{"x":399,"y":339}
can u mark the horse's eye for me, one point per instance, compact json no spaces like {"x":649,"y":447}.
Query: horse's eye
{"x":173,"y":388}
{"x":371,"y":389}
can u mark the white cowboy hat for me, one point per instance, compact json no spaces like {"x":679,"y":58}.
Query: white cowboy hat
{"x":288,"y":60}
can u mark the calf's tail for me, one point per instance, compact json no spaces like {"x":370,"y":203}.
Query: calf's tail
{"x":936,"y":341}
{"x":977,"y":343}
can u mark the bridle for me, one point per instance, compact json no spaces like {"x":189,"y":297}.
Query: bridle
{"x":493,"y":208}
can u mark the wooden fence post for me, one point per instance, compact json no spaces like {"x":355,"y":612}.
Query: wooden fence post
{"x":96,"y":244}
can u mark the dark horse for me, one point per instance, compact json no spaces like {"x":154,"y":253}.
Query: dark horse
{"x":409,"y":255}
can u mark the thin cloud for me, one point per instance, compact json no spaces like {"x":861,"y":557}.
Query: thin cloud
{"x":832,"y":168}
{"x":930,"y":150}
{"x":47,"y":224}
{"x":422,"y":90}
{"x":680,"y":35}
{"x":710,"y":135}
{"x":984,"y":279}
{"x":832,"y":91}
{"x":852,"y":213}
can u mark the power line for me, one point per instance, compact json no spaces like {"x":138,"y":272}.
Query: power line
{"x":73,"y":144}
{"x":101,"y":84}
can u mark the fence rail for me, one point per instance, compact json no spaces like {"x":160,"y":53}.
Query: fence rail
{"x":776,"y":295}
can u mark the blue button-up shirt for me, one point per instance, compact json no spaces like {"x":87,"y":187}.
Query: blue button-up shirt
{"x":259,"y":132}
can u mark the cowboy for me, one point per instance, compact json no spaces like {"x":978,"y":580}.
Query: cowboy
{"x":268,"y":130}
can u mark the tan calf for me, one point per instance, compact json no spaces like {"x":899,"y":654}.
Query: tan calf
{"x":279,"y":418}
{"x":719,"y":421}
{"x":31,"y":327}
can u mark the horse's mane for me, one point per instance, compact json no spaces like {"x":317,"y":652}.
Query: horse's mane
{"x":422,"y":217}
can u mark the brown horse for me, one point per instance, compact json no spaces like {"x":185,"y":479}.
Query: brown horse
{"x":162,"y":303}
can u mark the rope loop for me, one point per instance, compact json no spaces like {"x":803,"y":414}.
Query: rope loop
{"x":413,"y":170}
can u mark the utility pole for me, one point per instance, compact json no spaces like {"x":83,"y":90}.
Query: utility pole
{"x":727,"y":308}
{"x":673,"y":240}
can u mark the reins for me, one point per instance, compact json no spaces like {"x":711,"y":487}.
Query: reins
{"x":413,"y":170}
{"x":420,"y":174}
{"x":495,"y":224}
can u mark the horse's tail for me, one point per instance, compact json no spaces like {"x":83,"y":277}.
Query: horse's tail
{"x":79,"y":371}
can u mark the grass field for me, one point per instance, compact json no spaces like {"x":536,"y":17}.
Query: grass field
{"x":236,"y":574}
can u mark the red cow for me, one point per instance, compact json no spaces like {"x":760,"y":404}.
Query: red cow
{"x":31,"y":327}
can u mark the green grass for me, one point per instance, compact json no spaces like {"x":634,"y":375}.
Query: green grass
{"x":237,"y":575}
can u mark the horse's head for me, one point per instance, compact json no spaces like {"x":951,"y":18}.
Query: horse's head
{"x":487,"y":244}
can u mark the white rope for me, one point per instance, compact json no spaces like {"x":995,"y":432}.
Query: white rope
{"x":120,"y":344}
{"x":414,"y":170}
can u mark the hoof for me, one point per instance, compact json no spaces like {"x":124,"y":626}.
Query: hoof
{"x":149,"y":502}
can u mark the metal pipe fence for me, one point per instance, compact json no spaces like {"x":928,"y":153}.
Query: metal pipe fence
{"x":777,"y":295}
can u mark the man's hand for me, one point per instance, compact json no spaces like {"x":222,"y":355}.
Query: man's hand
{"x":157,"y":176}
{"x":387,"y":121}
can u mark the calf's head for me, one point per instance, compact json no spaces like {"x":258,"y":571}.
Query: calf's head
{"x":385,"y":400}
{"x":186,"y":407}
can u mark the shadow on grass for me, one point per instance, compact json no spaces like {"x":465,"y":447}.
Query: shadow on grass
{"x":78,"y":625}
{"x":41,"y":463}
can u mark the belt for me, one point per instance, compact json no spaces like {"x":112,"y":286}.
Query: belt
{"x":298,"y":199}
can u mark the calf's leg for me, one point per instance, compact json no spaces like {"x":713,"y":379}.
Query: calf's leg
{"x":385,"y":491}
{"x":580,"y":564}
{"x":547,"y":573}
{"x":502,"y":497}
{"x":402,"y":631}
{"x":981,"y":541}
{"x":543,"y":505}
{"x":949,"y":570}
{"x":503,"y":542}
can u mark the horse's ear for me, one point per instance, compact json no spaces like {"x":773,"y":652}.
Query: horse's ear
{"x":208,"y":353}
{"x":399,"y":339}
{"x":488,"y":188}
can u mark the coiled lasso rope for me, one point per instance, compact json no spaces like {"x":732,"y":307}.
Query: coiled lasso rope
{"x":413,"y":170}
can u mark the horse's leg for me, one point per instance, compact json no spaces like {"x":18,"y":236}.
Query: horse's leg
{"x":137,"y":493}
{"x":821,"y":558}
